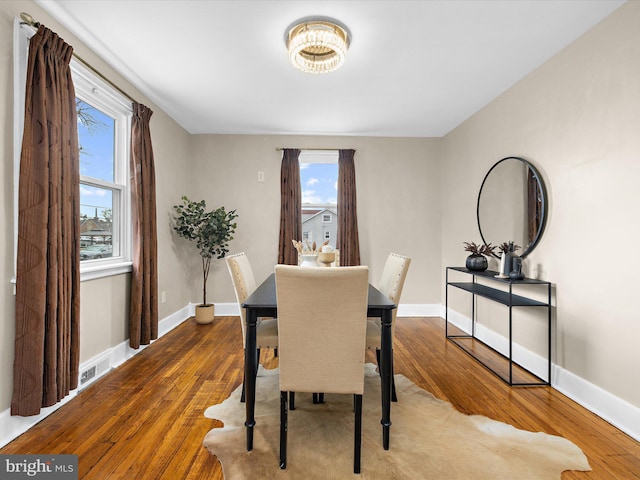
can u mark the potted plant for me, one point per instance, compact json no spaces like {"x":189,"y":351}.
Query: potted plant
{"x":477,"y":260}
{"x":211,"y":231}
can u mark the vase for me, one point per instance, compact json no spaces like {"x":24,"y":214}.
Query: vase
{"x":516,"y":270}
{"x":508,"y":260}
{"x":310,"y":260}
{"x":477,"y":262}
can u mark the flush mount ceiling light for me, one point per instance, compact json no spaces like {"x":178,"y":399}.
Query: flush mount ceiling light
{"x":317,"y":45}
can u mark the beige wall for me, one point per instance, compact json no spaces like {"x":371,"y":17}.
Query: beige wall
{"x":104,"y":302}
{"x":398,"y":195}
{"x":577,"y":118}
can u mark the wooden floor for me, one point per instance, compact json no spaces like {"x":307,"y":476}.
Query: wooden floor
{"x":144,"y":420}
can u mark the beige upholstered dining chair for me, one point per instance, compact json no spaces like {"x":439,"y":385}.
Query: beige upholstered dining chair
{"x":391,"y":283}
{"x":322,"y":321}
{"x":244,"y":284}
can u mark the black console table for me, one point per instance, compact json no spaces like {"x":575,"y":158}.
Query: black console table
{"x":512,"y":373}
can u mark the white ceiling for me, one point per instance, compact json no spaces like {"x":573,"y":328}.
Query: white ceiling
{"x":414,"y":68}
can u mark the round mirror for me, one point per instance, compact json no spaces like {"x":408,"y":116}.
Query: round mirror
{"x":512,"y":205}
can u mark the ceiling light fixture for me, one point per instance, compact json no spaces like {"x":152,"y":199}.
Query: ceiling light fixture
{"x":317,"y":45}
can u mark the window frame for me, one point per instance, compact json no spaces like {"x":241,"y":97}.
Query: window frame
{"x":90,"y":88}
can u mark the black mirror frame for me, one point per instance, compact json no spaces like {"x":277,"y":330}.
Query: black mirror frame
{"x":543,"y":191}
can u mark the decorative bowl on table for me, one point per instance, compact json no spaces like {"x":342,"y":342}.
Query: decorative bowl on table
{"x":325,"y":259}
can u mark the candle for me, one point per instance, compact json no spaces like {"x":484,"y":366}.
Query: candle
{"x":502,"y":261}
{"x":327,"y":249}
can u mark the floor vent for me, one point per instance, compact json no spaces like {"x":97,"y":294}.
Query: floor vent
{"x":94,"y":370}
{"x":88,"y":375}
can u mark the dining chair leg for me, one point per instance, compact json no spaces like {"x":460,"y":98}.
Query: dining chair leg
{"x":292,"y":400}
{"x":357,"y":442}
{"x":318,"y":398}
{"x":283,"y":430}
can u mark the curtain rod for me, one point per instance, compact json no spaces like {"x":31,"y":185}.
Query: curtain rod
{"x":320,"y":149}
{"x":29,"y":20}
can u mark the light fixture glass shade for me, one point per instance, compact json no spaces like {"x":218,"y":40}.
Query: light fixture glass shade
{"x":317,"y":46}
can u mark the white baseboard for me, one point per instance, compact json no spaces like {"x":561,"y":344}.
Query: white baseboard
{"x":14,"y":426}
{"x":618,"y":412}
{"x":614,"y":410}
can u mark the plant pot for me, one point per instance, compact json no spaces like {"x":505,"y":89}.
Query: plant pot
{"x":204,"y":313}
{"x":309,"y":260}
{"x":477,"y":262}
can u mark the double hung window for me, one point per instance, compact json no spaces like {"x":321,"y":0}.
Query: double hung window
{"x":104,"y":137}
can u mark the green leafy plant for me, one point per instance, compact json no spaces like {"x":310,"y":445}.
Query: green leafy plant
{"x":210,"y":230}
{"x":478,"y":249}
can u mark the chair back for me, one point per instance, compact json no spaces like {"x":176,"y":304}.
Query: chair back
{"x":392,"y":279}
{"x":244,"y":283}
{"x":322,"y":316}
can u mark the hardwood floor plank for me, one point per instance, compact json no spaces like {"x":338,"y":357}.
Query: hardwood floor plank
{"x":145,"y":419}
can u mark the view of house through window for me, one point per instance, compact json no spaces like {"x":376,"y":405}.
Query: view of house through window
{"x":96,"y":143}
{"x":104,"y":125}
{"x":319,"y":183}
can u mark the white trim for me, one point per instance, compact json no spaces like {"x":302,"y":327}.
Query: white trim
{"x":618,"y":412}
{"x":404,"y":310}
{"x":13,"y":426}
{"x":318,"y":156}
{"x":21,"y":36}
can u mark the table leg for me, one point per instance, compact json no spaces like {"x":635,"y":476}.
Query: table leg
{"x":250,"y":370}
{"x":386,"y":358}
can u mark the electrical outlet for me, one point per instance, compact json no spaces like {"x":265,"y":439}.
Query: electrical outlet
{"x":163,"y":297}
{"x":261,"y":176}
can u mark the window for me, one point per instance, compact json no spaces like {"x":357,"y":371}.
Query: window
{"x":319,"y":183}
{"x":104,"y":133}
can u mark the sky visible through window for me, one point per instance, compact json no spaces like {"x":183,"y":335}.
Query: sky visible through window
{"x":319,"y":183}
{"x":96,"y":136}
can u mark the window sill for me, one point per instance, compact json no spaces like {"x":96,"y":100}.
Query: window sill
{"x":93,"y":272}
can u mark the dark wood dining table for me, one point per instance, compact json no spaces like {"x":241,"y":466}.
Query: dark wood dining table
{"x":263,"y":303}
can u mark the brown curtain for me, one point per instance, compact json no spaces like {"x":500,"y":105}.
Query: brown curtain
{"x":348,"y":242}
{"x":48,"y":266}
{"x":143,"y":312}
{"x":290,"y":207}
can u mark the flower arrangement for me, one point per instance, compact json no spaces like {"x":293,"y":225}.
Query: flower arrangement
{"x":308,"y":248}
{"x":504,"y":247}
{"x":482,"y":249}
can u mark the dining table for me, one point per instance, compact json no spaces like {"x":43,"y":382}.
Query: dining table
{"x":263,"y":303}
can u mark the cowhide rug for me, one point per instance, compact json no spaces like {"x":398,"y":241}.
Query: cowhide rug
{"x":429,"y":439}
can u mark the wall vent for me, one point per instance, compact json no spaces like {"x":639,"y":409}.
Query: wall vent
{"x":87,"y":375}
{"x":94,"y":369}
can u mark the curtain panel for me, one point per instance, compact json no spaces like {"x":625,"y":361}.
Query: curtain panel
{"x":290,"y":207}
{"x":48,"y":264}
{"x":348,"y":242}
{"x":143,"y":311}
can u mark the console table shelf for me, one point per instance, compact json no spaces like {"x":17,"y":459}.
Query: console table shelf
{"x":513,"y":374}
